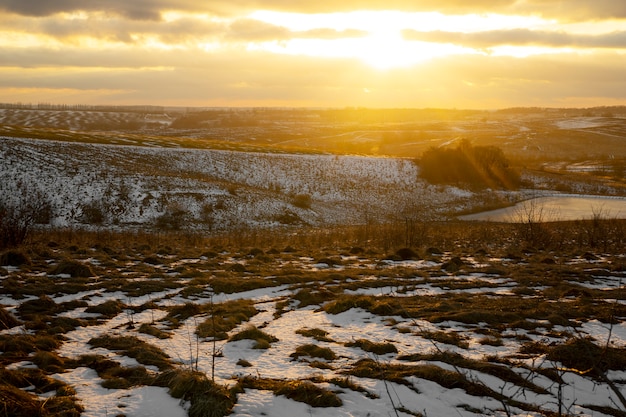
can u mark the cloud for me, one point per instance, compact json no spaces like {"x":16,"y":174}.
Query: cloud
{"x":250,"y":29}
{"x":152,"y":9}
{"x":134,"y":53}
{"x":574,"y":10}
{"x":520,"y":37}
{"x":179,"y":77}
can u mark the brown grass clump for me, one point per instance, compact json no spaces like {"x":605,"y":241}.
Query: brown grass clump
{"x":120,"y":377}
{"x":19,"y":403}
{"x":585,"y":357}
{"x":262,"y":339}
{"x":450,"y":338}
{"x":43,"y":306}
{"x":346,"y":302}
{"x":108,"y":309}
{"x":19,"y":346}
{"x":145,"y":353}
{"x":49,"y":362}
{"x":225,"y":317}
{"x":318,"y":334}
{"x":7,"y":320}
{"x":314,"y":351}
{"x":307,"y":296}
{"x":207,"y":398}
{"x":381,"y":348}
{"x":153,"y":331}
{"x":302,"y":391}
{"x":348,"y":383}
{"x":14,"y":257}
{"x":73,"y":268}
{"x":180,"y":313}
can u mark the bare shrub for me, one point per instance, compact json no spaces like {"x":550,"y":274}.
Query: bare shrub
{"x":18,"y":218}
{"x":92,"y":213}
{"x":174,"y":218}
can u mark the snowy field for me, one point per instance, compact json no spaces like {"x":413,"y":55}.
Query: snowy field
{"x":496,"y":365}
{"x":129,"y":185}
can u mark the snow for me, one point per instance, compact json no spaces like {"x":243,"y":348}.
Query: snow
{"x":131,"y":185}
{"x":144,"y":401}
{"x":423,"y":396}
{"x":581,"y":123}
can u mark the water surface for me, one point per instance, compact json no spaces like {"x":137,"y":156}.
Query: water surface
{"x":556,"y":208}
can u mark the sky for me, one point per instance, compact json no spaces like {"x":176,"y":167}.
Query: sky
{"x":480,"y":54}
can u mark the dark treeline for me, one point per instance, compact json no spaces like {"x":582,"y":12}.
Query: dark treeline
{"x":469,"y":166}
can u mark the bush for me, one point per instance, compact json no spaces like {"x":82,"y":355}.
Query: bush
{"x":18,"y":218}
{"x":92,"y":213}
{"x":468,"y":166}
{"x":174,"y":218}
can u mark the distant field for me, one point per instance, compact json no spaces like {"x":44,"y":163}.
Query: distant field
{"x":526,"y":134}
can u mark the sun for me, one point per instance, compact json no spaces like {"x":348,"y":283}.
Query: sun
{"x":378,"y":43}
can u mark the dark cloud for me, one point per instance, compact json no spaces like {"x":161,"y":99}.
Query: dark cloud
{"x":519,"y":37}
{"x":136,"y":9}
{"x":152,"y":9}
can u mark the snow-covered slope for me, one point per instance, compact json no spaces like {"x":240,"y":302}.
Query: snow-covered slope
{"x":126,"y":185}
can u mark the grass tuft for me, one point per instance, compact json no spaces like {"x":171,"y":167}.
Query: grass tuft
{"x":73,"y":268}
{"x":262,"y":339}
{"x":145,"y":353}
{"x":314,"y":351}
{"x":318,"y":334}
{"x":302,"y":391}
{"x":381,"y":348}
{"x":207,"y":399}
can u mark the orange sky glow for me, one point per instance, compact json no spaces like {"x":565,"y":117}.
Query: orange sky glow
{"x":369,"y":53}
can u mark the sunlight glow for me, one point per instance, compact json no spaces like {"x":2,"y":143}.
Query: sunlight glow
{"x":384,"y":47}
{"x":397,"y":20}
{"x":527,"y":51}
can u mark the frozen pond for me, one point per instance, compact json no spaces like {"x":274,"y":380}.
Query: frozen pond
{"x":556,"y":208}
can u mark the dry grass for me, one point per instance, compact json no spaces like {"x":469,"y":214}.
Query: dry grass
{"x":377,"y":348}
{"x":145,"y":353}
{"x":298,"y":390}
{"x":541,"y":299}
{"x":314,"y":351}
{"x":262,"y":340}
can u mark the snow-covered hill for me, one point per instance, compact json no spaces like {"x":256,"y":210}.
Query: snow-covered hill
{"x":128,"y":185}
